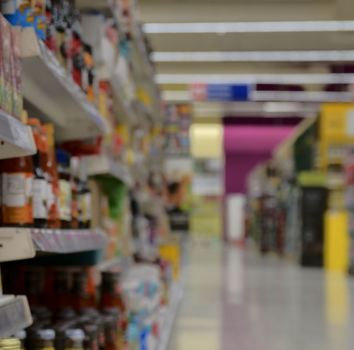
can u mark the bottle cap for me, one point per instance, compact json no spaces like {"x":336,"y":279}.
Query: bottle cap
{"x":75,"y":334}
{"x":46,"y":334}
{"x":63,"y":157}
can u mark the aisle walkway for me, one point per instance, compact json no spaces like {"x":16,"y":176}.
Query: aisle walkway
{"x":240,"y":301}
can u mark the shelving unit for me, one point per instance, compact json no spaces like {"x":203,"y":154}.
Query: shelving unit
{"x":14,"y":315}
{"x":48,"y":87}
{"x":16,"y":139}
{"x":22,"y":243}
{"x":103,"y":165}
{"x":122,"y":106}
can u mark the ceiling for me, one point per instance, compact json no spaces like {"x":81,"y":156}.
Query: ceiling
{"x":186,"y":11}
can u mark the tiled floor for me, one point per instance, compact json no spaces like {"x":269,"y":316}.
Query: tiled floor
{"x":239,"y":301}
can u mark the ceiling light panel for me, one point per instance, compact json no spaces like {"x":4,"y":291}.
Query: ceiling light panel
{"x":256,"y":56}
{"x":302,"y":79}
{"x":249,"y":27}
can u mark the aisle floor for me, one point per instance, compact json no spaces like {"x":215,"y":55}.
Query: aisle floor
{"x":237,"y":300}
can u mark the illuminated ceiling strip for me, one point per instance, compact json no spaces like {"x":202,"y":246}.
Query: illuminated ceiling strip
{"x":302,"y":96}
{"x":249,"y":27}
{"x":256,"y":56}
{"x":255,"y":78}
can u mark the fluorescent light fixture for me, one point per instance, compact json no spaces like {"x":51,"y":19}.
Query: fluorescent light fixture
{"x":283,"y":78}
{"x":246,"y":109}
{"x":302,"y":96}
{"x":249,"y":27}
{"x":256,"y":56}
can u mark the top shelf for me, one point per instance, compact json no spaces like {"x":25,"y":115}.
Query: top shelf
{"x":48,"y":87}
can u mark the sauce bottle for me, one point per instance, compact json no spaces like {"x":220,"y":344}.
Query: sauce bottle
{"x":44,"y":339}
{"x":40,"y":210}
{"x":65,"y":193}
{"x":84,"y":198}
{"x":52,"y":178}
{"x":111,"y":295}
{"x":16,"y":199}
{"x":61,"y":290}
{"x":74,"y":339}
{"x":82,"y":298}
{"x":75,"y":184}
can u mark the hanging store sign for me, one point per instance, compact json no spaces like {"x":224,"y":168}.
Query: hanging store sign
{"x":221,"y":92}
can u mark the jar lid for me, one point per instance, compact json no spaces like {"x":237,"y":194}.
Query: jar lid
{"x":75,"y":334}
{"x":46,"y":334}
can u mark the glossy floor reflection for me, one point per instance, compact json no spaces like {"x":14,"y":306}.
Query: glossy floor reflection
{"x":237,"y":300}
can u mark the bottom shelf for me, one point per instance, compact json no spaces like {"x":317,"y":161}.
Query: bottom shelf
{"x":14,"y":315}
{"x":170,"y":316}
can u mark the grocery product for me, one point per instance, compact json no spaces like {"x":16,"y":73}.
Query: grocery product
{"x":40,"y":183}
{"x":17,"y":182}
{"x":65,"y":188}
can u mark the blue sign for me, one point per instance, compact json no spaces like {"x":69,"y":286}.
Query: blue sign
{"x":228,"y":92}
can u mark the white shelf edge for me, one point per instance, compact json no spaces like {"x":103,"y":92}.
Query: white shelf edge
{"x":23,"y":243}
{"x":15,"y":315}
{"x":49,"y":88}
{"x":103,"y":165}
{"x":16,"y":138}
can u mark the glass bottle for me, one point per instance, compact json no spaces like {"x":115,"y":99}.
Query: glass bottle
{"x":84,"y":198}
{"x":74,"y":165}
{"x":110,"y":331}
{"x":34,"y":284}
{"x":111,"y":295}
{"x":65,"y":194}
{"x":74,"y":339}
{"x":40,"y":212}
{"x":16,"y":198}
{"x":82,"y":298}
{"x":52,"y":178}
{"x":45,"y":339}
{"x":61,"y":291}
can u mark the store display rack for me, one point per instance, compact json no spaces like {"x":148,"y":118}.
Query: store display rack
{"x":48,"y":88}
{"x":14,"y":315}
{"x":122,"y":105}
{"x":103,"y":165}
{"x":23,"y":243}
{"x":16,"y":139}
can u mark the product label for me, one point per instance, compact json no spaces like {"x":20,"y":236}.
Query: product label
{"x":40,"y":209}
{"x":50,"y":196}
{"x":17,"y":198}
{"x":65,"y":200}
{"x":85,"y":207}
{"x":14,"y":190}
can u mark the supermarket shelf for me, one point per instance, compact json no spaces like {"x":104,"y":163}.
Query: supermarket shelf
{"x":121,"y":263}
{"x":23,"y":243}
{"x":14,"y":315}
{"x":170,"y":316}
{"x":122,"y":106}
{"x":16,"y":139}
{"x":49,"y":88}
{"x":67,"y":241}
{"x":103,"y":165}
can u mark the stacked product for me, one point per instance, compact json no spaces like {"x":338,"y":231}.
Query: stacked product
{"x":124,"y":312}
{"x":11,"y":100}
{"x":47,"y":190}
